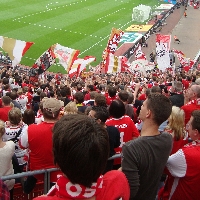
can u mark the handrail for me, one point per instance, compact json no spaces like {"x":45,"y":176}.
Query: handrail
{"x":42,"y":171}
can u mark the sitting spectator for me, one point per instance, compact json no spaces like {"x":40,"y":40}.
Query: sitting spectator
{"x":79,"y":141}
{"x":100,"y":114}
{"x":6,"y":103}
{"x":7,"y":150}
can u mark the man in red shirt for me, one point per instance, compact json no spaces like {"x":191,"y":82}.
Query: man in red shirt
{"x":111,"y":95}
{"x":38,"y":138}
{"x":183,"y":166}
{"x":193,"y":95}
{"x":5,"y":109}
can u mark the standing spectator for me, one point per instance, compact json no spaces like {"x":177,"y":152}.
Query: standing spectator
{"x":41,"y":156}
{"x":124,"y":123}
{"x":111,"y":95}
{"x":13,"y":128}
{"x":6,"y":153}
{"x":5,"y":109}
{"x":22,"y":100}
{"x":183,"y":165}
{"x":79,"y":99}
{"x":13,"y":96}
{"x":176,"y":39}
{"x":100,"y":114}
{"x":192,"y":94}
{"x":177,"y":97}
{"x":81,"y":149}
{"x":144,"y":158}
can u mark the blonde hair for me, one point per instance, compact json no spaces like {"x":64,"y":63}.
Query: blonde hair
{"x":70,"y":108}
{"x":2,"y":128}
{"x":176,"y":123}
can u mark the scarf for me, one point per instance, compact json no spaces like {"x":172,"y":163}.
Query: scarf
{"x":195,"y":101}
{"x":193,"y":143}
{"x":65,"y":189}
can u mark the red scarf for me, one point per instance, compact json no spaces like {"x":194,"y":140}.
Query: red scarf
{"x":193,"y":143}
{"x":65,"y":189}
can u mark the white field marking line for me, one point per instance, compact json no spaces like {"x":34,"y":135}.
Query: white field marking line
{"x":19,"y":19}
{"x":102,"y":40}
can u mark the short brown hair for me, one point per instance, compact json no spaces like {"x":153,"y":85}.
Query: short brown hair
{"x":79,"y":141}
{"x":160,"y":106}
{"x":196,"y":120}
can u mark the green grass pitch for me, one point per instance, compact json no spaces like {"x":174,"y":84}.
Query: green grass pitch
{"x":80,"y":24}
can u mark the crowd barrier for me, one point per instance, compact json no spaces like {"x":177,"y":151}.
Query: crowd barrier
{"x":41,"y":187}
{"x":131,"y":50}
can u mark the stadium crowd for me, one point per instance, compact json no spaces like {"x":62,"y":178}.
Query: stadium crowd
{"x":152,"y":120}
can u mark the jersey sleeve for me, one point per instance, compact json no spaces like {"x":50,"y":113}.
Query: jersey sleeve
{"x":23,"y":141}
{"x":176,"y":164}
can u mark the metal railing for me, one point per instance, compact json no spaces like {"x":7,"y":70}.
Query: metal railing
{"x":46,"y":173}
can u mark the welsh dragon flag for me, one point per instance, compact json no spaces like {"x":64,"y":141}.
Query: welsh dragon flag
{"x":15,"y":48}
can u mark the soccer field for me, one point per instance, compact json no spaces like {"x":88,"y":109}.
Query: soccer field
{"x":84,"y":25}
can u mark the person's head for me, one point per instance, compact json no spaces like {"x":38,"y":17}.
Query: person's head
{"x":194,"y":125}
{"x":194,"y":92}
{"x":99,"y":113}
{"x":123,"y":95}
{"x":100,"y":100}
{"x":80,"y":141}
{"x":70,"y":108}
{"x":177,"y":123}
{"x":52,"y":94}
{"x":156,"y":107}
{"x":90,"y":88}
{"x":178,"y":86}
{"x":112,"y":91}
{"x":79,"y":97}
{"x":156,"y":89}
{"x":2,"y":128}
{"x":20,"y":91}
{"x":130,"y":98}
{"x":13,"y":95}
{"x":51,"y":108}
{"x":28,"y":117}
{"x":42,"y":95}
{"x":117,"y":109}
{"x":15,"y":116}
{"x":93,"y":94}
{"x":6,"y":100}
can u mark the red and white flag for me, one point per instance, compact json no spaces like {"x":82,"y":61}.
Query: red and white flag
{"x":139,"y":54}
{"x":162,"y":51}
{"x":15,"y":48}
{"x":66,"y":55}
{"x":79,"y":65}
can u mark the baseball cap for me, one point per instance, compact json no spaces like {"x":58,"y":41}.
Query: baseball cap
{"x":52,"y":104}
